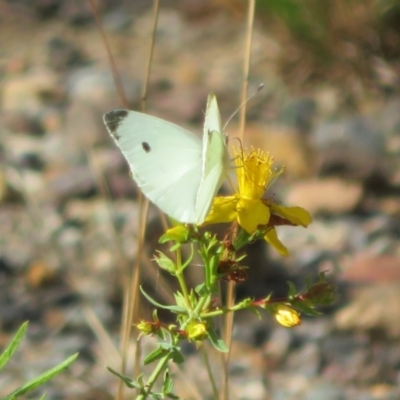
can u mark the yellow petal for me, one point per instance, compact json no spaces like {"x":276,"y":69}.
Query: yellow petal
{"x":251,"y":214}
{"x":296,"y":215}
{"x":272,"y":238}
{"x":222,"y":211}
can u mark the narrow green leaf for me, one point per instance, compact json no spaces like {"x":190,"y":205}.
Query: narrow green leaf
{"x":292,"y":290}
{"x":254,"y":311}
{"x":165,"y":263}
{"x":177,"y":356}
{"x":131,"y":383}
{"x":40,"y":380}
{"x":173,"y":396}
{"x":307,"y":308}
{"x":242,"y":239}
{"x":140,"y":380}
{"x":158,"y":353}
{"x":218,"y":343}
{"x":168,"y":383}
{"x":10,"y":349}
{"x":176,"y":309}
{"x":201,"y":289}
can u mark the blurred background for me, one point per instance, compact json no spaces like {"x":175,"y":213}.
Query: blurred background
{"x":329,"y":112}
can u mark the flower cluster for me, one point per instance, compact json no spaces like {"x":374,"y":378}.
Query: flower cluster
{"x":253,"y":216}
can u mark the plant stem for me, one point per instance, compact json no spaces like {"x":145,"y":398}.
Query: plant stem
{"x":154,"y":376}
{"x":224,"y":310}
{"x":209,"y":372}
{"x":181,"y":279}
{"x":204,"y":300}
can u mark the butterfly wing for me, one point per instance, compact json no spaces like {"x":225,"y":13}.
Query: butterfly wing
{"x":215,"y":160}
{"x":165,"y":160}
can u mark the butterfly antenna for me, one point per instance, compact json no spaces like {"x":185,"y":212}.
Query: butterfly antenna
{"x":260,"y":87}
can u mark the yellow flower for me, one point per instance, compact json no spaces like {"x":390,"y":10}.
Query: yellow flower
{"x":255,"y":173}
{"x":287,"y":316}
{"x":196,"y":330}
{"x":145,"y":327}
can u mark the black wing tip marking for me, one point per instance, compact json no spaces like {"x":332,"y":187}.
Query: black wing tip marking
{"x":113,"y":120}
{"x":146,"y":147}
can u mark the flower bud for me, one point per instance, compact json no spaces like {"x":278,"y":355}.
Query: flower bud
{"x":146,"y":327}
{"x":287,"y":316}
{"x":196,"y":330}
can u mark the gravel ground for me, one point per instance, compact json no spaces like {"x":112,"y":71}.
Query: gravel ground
{"x":60,"y":257}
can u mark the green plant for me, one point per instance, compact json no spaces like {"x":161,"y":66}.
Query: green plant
{"x":196,"y":309}
{"x":38,"y":381}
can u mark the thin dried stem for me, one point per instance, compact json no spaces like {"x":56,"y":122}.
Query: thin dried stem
{"x":110,"y":352}
{"x":133,"y":297}
{"x":230,"y":297}
{"x":122,"y":264}
{"x":116,"y":77}
{"x":246,"y":66}
{"x":156,"y":8}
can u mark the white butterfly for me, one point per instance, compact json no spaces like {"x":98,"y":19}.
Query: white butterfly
{"x":172,"y":167}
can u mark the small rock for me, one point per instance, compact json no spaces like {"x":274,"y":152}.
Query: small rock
{"x":26,"y":184}
{"x":24,"y":93}
{"x":85,"y":211}
{"x":78,"y":181}
{"x":384,"y":391}
{"x":307,"y":359}
{"x":179,"y":104}
{"x":40,"y":273}
{"x":372,"y":308}
{"x":287,"y":385}
{"x":18,"y":122}
{"x":277,"y":346}
{"x":45,"y":8}
{"x":51,"y":119}
{"x":120,"y":19}
{"x":329,"y":195}
{"x":326,"y":391}
{"x":319,"y":236}
{"x":82,"y":116}
{"x":352,"y":148}
{"x":385,"y":75}
{"x":63,"y":55}
{"x":4,"y":188}
{"x":299,"y":114}
{"x":389,"y":117}
{"x":249,"y":388}
{"x":77,"y":13}
{"x":96,"y":87}
{"x":369,"y":268}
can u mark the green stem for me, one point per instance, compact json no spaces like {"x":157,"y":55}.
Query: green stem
{"x":154,"y":376}
{"x":224,"y":310}
{"x":210,"y":373}
{"x":181,"y":279}
{"x":209,"y":268}
{"x":203,"y":302}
